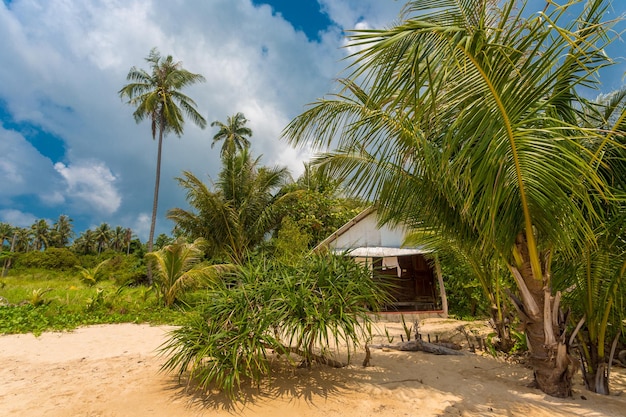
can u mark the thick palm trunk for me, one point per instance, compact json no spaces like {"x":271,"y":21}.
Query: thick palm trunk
{"x":544,"y":325}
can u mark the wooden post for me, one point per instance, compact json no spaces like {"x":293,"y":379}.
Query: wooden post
{"x":442,"y":289}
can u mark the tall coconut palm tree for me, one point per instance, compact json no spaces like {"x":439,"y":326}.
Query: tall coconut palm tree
{"x":233,"y":133}
{"x":7,"y":234}
{"x":118,"y":238}
{"x":463,"y":117}
{"x":62,"y":231}
{"x":236,"y":216}
{"x":23,"y":239}
{"x":85,"y":243}
{"x":41,"y":234}
{"x":102,"y":235}
{"x":157,"y":97}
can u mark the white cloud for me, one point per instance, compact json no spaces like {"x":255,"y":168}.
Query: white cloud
{"x":24,"y":171}
{"x":141,"y":225}
{"x":68,"y":60}
{"x":17,"y":218}
{"x":91,"y":183}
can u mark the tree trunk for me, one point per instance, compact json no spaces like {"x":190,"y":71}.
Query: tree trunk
{"x":7,"y":261}
{"x":544,"y":325}
{"x":155,"y":201}
{"x":596,"y":367}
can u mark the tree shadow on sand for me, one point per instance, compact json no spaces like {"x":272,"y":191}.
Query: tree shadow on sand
{"x":472,"y":385}
{"x":313,"y":384}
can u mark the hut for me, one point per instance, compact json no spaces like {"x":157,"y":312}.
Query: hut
{"x":413,"y":272}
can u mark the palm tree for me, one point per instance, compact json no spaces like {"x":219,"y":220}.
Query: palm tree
{"x":466,"y":121}
{"x":118,"y":238}
{"x":233,"y":133}
{"x":102,"y":235}
{"x":6,"y":234}
{"x":236,"y":216}
{"x":85,"y":243}
{"x":157,"y":97}
{"x":41,"y":234}
{"x":127,"y":239}
{"x":594,"y":278}
{"x":178,"y":268}
{"x":62,"y":231}
{"x":23,"y":239}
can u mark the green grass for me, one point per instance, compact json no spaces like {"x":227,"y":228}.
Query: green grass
{"x":42,"y":300}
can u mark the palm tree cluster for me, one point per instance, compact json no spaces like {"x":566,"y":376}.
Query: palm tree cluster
{"x":101,"y":238}
{"x":39,"y":236}
{"x":466,"y":122}
{"x":237,"y":214}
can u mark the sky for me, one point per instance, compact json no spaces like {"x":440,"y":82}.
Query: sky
{"x":68,"y":143}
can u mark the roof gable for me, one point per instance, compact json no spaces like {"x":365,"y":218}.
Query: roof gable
{"x":363,"y":232}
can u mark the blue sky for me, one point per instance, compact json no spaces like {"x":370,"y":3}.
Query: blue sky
{"x":69,"y":145}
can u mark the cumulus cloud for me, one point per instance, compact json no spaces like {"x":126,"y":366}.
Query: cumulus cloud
{"x":69,"y":60}
{"x":91,"y":183}
{"x":17,"y":218}
{"x":24,"y":170}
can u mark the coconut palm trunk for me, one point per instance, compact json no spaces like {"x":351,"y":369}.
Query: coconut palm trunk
{"x":544,"y":325}
{"x":155,"y":200}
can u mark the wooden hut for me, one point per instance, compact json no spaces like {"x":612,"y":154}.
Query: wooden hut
{"x":413,"y":272}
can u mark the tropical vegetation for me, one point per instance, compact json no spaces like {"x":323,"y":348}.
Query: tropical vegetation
{"x":234,"y":134}
{"x":464,"y":120}
{"x":469,"y":121}
{"x":302,"y":312}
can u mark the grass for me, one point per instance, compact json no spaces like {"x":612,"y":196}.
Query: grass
{"x":43,"y":300}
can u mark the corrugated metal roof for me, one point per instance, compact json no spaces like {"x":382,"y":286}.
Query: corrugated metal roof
{"x":381,"y":252}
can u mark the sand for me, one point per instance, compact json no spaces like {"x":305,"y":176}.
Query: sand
{"x":113,"y":370}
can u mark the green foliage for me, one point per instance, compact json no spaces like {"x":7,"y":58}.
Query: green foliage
{"x":236,"y":216}
{"x":162,"y":241}
{"x":292,"y":243}
{"x":465,"y":294}
{"x":37,"y":297}
{"x":64,"y":303}
{"x":96,"y":301}
{"x":316,"y":203}
{"x":61,"y":259}
{"x":121,"y":268}
{"x":177,"y":269}
{"x":301,"y":310}
{"x":92,"y":275}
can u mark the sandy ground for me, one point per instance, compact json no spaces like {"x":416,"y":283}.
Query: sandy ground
{"x":113,"y":370}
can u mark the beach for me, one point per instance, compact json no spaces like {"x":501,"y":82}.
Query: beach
{"x":114,"y":370}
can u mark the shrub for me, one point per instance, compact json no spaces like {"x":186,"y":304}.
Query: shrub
{"x":51,"y":258}
{"x":292,"y":310}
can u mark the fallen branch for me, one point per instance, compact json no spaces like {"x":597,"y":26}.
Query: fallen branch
{"x":312,"y":357}
{"x":421,"y":346}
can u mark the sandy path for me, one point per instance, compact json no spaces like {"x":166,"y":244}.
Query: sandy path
{"x":113,"y":370}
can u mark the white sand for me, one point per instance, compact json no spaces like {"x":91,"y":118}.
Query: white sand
{"x":113,"y":370}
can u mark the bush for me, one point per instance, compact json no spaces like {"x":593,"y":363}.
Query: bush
{"x":121,"y":268}
{"x":52,"y":258}
{"x":273,"y":307}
